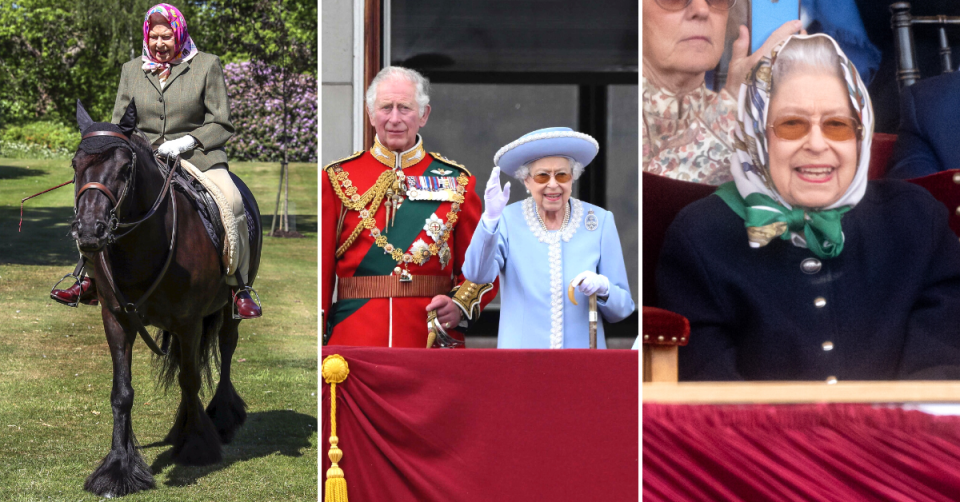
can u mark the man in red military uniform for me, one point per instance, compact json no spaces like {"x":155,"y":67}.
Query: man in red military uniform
{"x":396,"y":223}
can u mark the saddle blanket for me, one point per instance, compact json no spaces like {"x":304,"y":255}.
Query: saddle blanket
{"x":231,"y":252}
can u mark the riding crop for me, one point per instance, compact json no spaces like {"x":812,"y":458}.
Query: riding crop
{"x":20,"y":227}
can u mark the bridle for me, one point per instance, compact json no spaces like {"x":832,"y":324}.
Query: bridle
{"x":129,"y":186}
{"x":132,"y":309}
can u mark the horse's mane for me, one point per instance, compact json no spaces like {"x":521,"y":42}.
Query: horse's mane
{"x":141,"y":144}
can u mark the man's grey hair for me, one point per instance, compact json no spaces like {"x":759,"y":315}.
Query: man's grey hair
{"x":419,"y":81}
{"x":523,"y":172}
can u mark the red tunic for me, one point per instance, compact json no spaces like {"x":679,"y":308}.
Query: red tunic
{"x":396,"y":321}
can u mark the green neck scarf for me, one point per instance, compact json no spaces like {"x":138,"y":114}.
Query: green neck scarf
{"x":766,"y":219}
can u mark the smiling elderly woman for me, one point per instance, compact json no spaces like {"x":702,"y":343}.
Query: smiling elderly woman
{"x":542,"y":244}
{"x":801,"y":269}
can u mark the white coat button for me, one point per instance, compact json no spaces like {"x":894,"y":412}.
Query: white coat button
{"x":820,"y":302}
{"x":810,"y":266}
{"x":827,"y":346}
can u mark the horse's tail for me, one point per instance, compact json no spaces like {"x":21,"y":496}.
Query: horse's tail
{"x":168,"y":367}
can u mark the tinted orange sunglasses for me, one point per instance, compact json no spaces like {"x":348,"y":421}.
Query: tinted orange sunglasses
{"x":793,"y":128}
{"x":675,"y":5}
{"x":544,"y":178}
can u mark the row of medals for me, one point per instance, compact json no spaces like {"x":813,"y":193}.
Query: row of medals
{"x":394,"y":199}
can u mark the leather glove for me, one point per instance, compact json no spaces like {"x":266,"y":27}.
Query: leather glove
{"x":592,"y":283}
{"x":495,"y":198}
{"x":175,"y":147}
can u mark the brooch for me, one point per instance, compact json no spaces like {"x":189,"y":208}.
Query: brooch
{"x":434,"y":227}
{"x":591,"y":222}
{"x":444,"y":255}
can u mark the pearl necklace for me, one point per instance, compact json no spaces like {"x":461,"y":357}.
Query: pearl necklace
{"x":566,"y":217}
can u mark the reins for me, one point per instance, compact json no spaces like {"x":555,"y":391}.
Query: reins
{"x":133,"y":309}
{"x":20,"y":227}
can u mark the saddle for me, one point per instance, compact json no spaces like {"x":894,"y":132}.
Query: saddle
{"x":201,"y":200}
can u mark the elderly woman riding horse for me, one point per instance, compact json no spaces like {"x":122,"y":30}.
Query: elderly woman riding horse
{"x":185,"y":113}
{"x":138,"y":229}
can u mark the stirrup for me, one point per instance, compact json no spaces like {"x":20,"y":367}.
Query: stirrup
{"x":76,"y":282}
{"x":233,"y":303}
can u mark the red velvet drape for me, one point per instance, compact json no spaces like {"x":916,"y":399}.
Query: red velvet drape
{"x":830,"y":452}
{"x":486,"y":425}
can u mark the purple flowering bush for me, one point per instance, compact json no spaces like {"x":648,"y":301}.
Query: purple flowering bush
{"x":257,"y":114}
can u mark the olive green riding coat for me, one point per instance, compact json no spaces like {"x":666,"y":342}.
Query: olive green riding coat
{"x":193,"y":101}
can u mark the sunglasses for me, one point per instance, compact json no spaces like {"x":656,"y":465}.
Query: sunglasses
{"x":544,"y":178}
{"x":832,"y":128}
{"x":675,"y":5}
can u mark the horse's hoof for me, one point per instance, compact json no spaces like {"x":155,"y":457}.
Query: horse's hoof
{"x":197,"y":454}
{"x":199,"y":446}
{"x":120,"y":473}
{"x":227,"y":411}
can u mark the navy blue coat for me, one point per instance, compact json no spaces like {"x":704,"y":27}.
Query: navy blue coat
{"x":928,"y":140}
{"x":887,"y":308}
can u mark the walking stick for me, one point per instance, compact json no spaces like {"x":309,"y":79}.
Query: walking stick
{"x":593,"y":321}
{"x":592,"y":307}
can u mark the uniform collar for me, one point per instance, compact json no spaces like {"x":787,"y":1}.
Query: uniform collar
{"x":394,"y":160}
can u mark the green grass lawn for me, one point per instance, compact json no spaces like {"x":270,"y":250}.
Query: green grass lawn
{"x":55,"y":371}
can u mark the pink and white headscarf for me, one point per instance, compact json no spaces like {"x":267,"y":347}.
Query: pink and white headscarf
{"x":184,"y":49}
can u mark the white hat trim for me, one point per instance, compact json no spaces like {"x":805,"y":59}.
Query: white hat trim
{"x":544,"y":135}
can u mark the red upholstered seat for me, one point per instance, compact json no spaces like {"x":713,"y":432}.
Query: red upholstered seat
{"x":945,"y":187}
{"x":880,"y":151}
{"x":663,"y":331}
{"x":662,"y":327}
{"x":663,"y":198}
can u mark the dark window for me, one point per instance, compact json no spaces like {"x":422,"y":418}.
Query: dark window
{"x":515,"y":35}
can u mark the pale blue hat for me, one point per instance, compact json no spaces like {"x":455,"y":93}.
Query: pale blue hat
{"x":549,"y":142}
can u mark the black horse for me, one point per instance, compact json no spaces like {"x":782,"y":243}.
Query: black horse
{"x":148,"y":245}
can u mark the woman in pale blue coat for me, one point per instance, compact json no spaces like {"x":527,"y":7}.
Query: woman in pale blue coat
{"x":542,"y":244}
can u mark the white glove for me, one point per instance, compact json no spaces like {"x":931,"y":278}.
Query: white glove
{"x":175,"y":147}
{"x":592,"y":283}
{"x":495,"y":198}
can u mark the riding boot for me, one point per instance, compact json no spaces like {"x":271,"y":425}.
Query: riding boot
{"x":83,"y":290}
{"x":244,"y":305}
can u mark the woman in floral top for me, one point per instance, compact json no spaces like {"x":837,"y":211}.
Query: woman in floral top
{"x":686,"y":127}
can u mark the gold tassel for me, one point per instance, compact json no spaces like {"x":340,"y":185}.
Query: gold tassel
{"x":335,"y":370}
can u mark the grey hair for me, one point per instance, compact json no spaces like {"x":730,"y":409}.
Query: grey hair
{"x":809,"y":55}
{"x":523,"y":172}
{"x":422,"y":84}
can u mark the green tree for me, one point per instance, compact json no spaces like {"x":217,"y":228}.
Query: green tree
{"x":53,"y":53}
{"x":278,"y":36}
